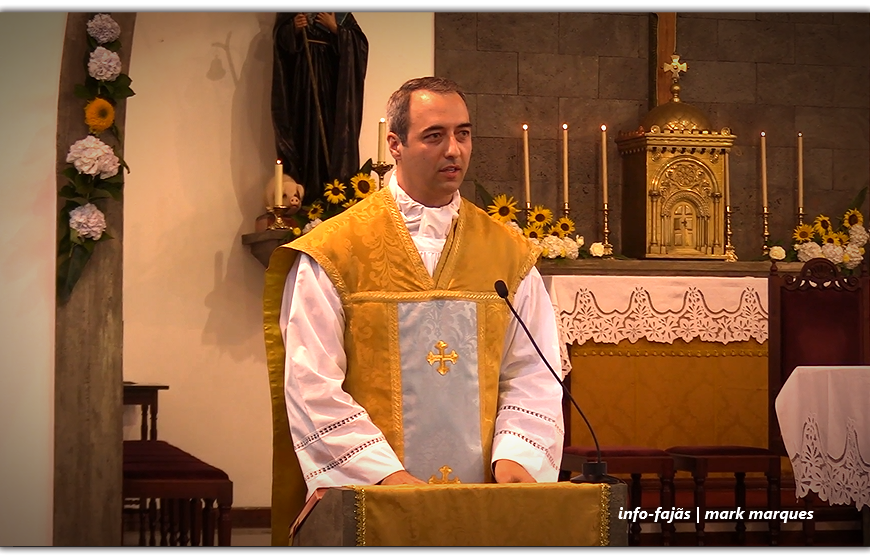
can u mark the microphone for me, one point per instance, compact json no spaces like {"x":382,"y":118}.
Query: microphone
{"x":593,"y":472}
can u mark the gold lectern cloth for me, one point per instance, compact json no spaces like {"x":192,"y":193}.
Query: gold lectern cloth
{"x":545,"y":514}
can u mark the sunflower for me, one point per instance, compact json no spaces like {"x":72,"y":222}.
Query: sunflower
{"x":350,"y":203}
{"x":533,"y":230}
{"x":803,"y":233}
{"x":562,"y":227}
{"x":315,"y":211}
{"x":842,"y":238}
{"x":541,"y":215}
{"x":853,"y":217}
{"x":822,"y":225}
{"x":831,"y":238}
{"x":503,"y":208}
{"x":99,"y":115}
{"x":334,"y":192}
{"x":363,"y":185}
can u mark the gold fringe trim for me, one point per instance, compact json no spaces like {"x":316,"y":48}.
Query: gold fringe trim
{"x":360,"y":510}
{"x":670,"y":353}
{"x":604,"y":511}
{"x":418,"y":296}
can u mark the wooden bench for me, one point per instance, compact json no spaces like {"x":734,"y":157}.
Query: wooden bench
{"x":177,"y":494}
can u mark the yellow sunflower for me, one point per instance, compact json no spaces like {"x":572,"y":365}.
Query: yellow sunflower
{"x":350,"y":203}
{"x":853,"y":217}
{"x":842,"y":238}
{"x":503,"y":208}
{"x":363,"y":185}
{"x":99,"y":115}
{"x":334,"y":191}
{"x":822,"y":225}
{"x":562,"y":227}
{"x":534,"y":230}
{"x":803,"y":233}
{"x":315,"y":211}
{"x":831,"y":238}
{"x":541,"y":215}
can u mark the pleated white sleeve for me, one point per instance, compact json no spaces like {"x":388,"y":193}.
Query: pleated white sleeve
{"x":529,"y":427}
{"x":334,"y":439}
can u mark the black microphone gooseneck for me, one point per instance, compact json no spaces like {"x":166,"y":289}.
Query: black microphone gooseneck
{"x":593,"y":472}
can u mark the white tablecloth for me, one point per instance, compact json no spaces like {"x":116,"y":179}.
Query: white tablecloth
{"x":608,"y":309}
{"x":824,"y":417}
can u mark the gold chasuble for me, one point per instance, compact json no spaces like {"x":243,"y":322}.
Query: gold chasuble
{"x":423,"y":352}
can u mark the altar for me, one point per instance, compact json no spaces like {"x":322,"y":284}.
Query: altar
{"x":661,"y":354}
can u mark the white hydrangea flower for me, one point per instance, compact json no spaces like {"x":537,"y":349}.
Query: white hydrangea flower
{"x":91,"y":156}
{"x":554,"y":246}
{"x":88,"y":221}
{"x":777,"y":253}
{"x":596,"y":249}
{"x":579,"y":240}
{"x":858,"y":235}
{"x":104,"y":64}
{"x":535,"y":241}
{"x":808,"y":251}
{"x":104,"y":29}
{"x":513,"y":226}
{"x":310,"y":225}
{"x":572,"y":250}
{"x":833,"y":252}
{"x":852,"y":255}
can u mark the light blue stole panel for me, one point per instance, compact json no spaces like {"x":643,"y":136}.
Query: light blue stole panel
{"x":441,"y":410}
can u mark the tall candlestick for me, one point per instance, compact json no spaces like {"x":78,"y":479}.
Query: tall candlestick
{"x":526,"y":163}
{"x":279,"y":183}
{"x":727,"y":180}
{"x":800,"y":171}
{"x":382,"y":138}
{"x":763,"y":170}
{"x":565,"y":161}
{"x":604,"y":162}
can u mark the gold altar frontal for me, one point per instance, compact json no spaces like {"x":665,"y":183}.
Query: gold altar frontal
{"x":544,"y":514}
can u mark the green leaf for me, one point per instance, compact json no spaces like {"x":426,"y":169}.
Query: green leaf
{"x":70,"y":271}
{"x":114,"y":46}
{"x":74,"y":237}
{"x":366,"y":168}
{"x":106,"y":236}
{"x":485,"y":196}
{"x":89,"y":244}
{"x":123,"y":80}
{"x":82,"y":92}
{"x":67,"y":191}
{"x":858,"y":202}
{"x":70,"y":172}
{"x":100,"y":193}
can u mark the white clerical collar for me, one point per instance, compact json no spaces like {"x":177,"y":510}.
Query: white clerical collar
{"x":434,"y":222}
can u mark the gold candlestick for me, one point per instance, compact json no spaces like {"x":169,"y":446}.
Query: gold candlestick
{"x":608,"y":248}
{"x":382,"y":168}
{"x":277,"y":212}
{"x":766,"y":232}
{"x":566,"y":209}
{"x":730,"y":254}
{"x":528,"y":211}
{"x":801,"y":216}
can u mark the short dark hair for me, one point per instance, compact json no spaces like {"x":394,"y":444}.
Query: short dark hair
{"x":399,"y":105}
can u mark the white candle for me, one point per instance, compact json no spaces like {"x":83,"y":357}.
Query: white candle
{"x":604,"y":162}
{"x":382,"y":138}
{"x":763,"y":170}
{"x":565,"y":162}
{"x":800,"y":170}
{"x":526,"y":163}
{"x":727,"y":180}
{"x":279,"y":183}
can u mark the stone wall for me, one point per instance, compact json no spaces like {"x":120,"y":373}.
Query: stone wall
{"x":781,"y":73}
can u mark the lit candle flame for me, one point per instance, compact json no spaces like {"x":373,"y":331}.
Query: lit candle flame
{"x":525,"y":126}
{"x":603,"y":128}
{"x":564,"y":126}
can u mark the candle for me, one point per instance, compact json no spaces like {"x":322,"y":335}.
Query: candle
{"x":382,"y":138}
{"x":526,"y":163}
{"x":565,"y":161}
{"x":727,"y":180}
{"x":604,"y":163}
{"x":279,"y":183}
{"x":800,"y":170}
{"x":763,"y":170}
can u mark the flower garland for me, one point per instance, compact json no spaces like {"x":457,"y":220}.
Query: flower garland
{"x":94,"y":171}
{"x":842,"y":244}
{"x":554,"y":236}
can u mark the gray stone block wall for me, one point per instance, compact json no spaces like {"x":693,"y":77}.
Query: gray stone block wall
{"x":777,"y":72}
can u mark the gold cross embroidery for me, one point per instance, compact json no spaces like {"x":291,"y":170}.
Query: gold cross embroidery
{"x":441,"y":357}
{"x":445,"y":471}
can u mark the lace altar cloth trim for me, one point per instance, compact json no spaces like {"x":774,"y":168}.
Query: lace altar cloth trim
{"x":660,"y":310}
{"x":837,"y":480}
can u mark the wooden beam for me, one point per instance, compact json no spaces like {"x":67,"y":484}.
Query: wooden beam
{"x":666,"y":44}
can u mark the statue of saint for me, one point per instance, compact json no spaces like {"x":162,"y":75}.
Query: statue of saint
{"x":318,"y":75}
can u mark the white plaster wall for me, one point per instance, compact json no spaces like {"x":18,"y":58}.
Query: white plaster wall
{"x":28,"y":111}
{"x":199,"y":143}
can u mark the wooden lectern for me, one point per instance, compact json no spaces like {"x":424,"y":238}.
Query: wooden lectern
{"x":545,"y":514}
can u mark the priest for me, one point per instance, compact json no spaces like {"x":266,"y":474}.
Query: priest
{"x":392,"y":359}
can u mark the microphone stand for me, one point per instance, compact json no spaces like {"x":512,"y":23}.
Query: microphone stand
{"x":594,"y":472}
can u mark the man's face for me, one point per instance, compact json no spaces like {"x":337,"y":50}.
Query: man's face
{"x":430,"y":168}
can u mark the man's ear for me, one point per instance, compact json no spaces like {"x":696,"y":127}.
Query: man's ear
{"x":395,"y":145}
